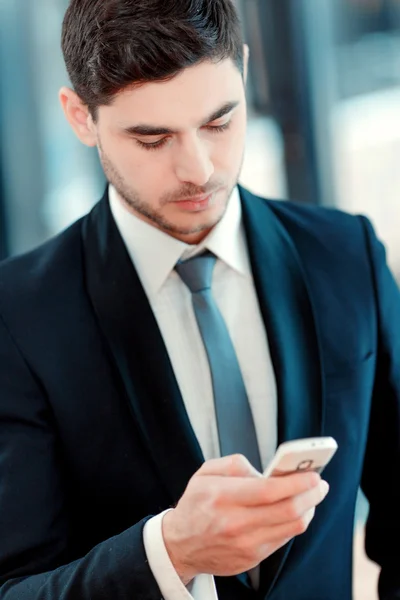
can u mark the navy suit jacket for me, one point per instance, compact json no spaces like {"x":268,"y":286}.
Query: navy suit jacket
{"x":94,"y":436}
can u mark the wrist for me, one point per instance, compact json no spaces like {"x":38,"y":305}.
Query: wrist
{"x":185,"y":572}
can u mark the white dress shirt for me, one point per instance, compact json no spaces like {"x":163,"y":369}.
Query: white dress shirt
{"x":154,"y":255}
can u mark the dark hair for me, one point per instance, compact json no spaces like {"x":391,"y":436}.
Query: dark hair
{"x":110,"y":45}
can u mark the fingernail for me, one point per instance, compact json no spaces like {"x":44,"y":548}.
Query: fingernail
{"x":324,"y":488}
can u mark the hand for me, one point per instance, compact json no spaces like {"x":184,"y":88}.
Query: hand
{"x":231,"y":518}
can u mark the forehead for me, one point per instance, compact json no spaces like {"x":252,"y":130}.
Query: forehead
{"x":184,"y":100}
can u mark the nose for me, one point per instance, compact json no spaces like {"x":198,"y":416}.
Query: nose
{"x":192,"y":163}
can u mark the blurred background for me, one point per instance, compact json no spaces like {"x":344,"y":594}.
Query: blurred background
{"x":324,"y":124}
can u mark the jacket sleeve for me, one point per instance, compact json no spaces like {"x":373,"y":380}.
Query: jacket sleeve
{"x":381,"y":474}
{"x":34,"y":561}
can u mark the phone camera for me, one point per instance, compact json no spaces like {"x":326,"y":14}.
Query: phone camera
{"x":305,"y":465}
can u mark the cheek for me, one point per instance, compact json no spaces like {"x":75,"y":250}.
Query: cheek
{"x":131,"y":157}
{"x":137,"y":164}
{"x":229,"y":151}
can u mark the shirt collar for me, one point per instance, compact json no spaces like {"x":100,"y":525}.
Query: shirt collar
{"x":155,"y":253}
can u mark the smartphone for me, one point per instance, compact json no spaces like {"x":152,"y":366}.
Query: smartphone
{"x":308,"y":454}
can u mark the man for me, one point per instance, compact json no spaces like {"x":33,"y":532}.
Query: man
{"x":154,"y":354}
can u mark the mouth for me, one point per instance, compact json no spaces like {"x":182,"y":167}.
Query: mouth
{"x":196,"y":203}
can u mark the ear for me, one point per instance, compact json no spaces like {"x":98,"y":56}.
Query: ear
{"x":246,"y":55}
{"x":78,"y":116}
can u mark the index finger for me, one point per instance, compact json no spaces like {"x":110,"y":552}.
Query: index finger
{"x":259,"y":491}
{"x":288,"y":486}
{"x":265,"y":491}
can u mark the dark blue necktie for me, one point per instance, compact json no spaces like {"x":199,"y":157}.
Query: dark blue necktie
{"x":236,"y":429}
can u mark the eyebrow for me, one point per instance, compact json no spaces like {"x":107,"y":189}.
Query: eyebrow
{"x":150,"y":130}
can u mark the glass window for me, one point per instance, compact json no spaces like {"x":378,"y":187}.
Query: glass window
{"x":366,"y":113}
{"x":50,"y":179}
{"x":264,"y":166}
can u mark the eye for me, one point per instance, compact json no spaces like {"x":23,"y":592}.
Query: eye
{"x":152,"y":145}
{"x":219,"y":128}
{"x":158,"y":145}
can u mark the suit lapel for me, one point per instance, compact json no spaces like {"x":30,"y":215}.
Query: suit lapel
{"x":138,"y":352}
{"x":288,"y":316}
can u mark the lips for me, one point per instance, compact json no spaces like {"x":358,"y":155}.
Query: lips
{"x":195,"y":204}
{"x":197,"y":198}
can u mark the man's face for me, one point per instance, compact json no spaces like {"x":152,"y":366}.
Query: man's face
{"x":174,"y":150}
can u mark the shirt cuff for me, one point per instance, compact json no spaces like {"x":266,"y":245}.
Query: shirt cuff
{"x":168,"y":580}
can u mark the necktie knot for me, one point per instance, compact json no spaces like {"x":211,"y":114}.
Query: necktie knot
{"x":197,"y":272}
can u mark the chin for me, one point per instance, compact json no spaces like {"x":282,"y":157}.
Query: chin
{"x":205,"y":220}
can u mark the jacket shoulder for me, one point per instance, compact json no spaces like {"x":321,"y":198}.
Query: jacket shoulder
{"x":312,"y":218}
{"x":51,"y":266}
{"x":326,"y":232}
